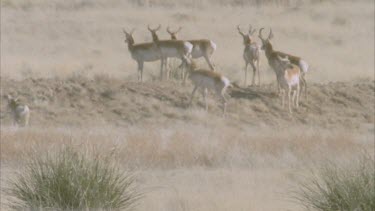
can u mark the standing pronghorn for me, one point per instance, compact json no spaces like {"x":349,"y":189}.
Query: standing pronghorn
{"x":201,"y":48}
{"x":171,"y":49}
{"x":20,"y":113}
{"x":207,"y":79}
{"x":251,"y":53}
{"x":142,"y":52}
{"x":272,"y":56}
{"x":288,"y":77}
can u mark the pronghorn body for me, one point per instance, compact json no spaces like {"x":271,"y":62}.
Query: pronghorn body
{"x":251,"y":54}
{"x":288,"y":77}
{"x":272,"y":57}
{"x":208,"y":80}
{"x":171,"y":49}
{"x":20,"y":113}
{"x":142,"y":52}
{"x":201,"y":48}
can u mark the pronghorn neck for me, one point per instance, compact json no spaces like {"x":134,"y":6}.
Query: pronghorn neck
{"x":268,"y":50}
{"x":173,"y":37}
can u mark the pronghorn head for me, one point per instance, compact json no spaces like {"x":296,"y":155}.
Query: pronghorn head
{"x":173,"y":34}
{"x":12,"y":102}
{"x":266,"y":44}
{"x":246,"y":37}
{"x":153,"y":32}
{"x":129,"y":36}
{"x":251,"y":31}
{"x":191,"y":64}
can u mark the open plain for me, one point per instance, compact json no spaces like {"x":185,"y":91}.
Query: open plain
{"x":67,"y":60}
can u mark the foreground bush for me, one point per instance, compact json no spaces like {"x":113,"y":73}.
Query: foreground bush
{"x":71,"y":180}
{"x":343,"y":187}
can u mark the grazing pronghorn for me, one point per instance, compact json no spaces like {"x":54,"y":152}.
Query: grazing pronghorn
{"x":171,"y":48}
{"x":20,"y":113}
{"x":207,"y":79}
{"x":142,"y":52}
{"x":272,"y":57}
{"x":251,"y":54}
{"x":288,"y":77}
{"x":201,"y":48}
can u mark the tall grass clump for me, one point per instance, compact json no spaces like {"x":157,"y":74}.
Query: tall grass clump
{"x":339,"y":187}
{"x":72,"y":180}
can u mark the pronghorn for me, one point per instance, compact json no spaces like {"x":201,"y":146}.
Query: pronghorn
{"x":142,"y":52}
{"x":251,"y":53}
{"x":288,"y":77}
{"x":272,"y":56}
{"x":171,"y":48}
{"x":20,"y":113}
{"x":201,"y":48}
{"x":207,"y":79}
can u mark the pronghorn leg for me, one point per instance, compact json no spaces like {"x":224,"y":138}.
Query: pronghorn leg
{"x":192,"y":95}
{"x":140,"y":71}
{"x":294,"y":96}
{"x":282,"y":95}
{"x":204,"y":93}
{"x":207,"y":58}
{"x":246,"y":73}
{"x":304,"y":84}
{"x":161,"y":68}
{"x":289,"y":99}
{"x":224,"y":100}
{"x":298,"y":94}
{"x":258,"y":70}
{"x":254,"y":71}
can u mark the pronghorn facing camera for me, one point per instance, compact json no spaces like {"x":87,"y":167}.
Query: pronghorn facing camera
{"x":272,"y":58}
{"x":208,"y":80}
{"x":251,"y":54}
{"x":201,"y":48}
{"x":20,"y":113}
{"x":288,"y":77}
{"x":171,"y":49}
{"x":142,"y":52}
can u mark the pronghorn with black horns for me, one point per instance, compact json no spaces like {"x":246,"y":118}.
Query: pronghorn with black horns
{"x":171,"y":49}
{"x":272,"y":57}
{"x":251,"y":53}
{"x":201,"y":48}
{"x":142,"y":52}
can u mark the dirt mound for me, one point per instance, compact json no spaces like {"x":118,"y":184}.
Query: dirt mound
{"x":83,"y":101}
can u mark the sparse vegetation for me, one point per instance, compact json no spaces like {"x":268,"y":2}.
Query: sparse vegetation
{"x":340,"y":187}
{"x":71,"y":179}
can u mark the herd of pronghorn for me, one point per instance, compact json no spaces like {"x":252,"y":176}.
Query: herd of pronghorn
{"x":290,"y":70}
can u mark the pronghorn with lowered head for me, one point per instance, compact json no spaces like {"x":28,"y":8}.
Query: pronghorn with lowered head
{"x":272,"y":58}
{"x":20,"y":112}
{"x":201,"y":48}
{"x":142,"y":52}
{"x":207,"y":79}
{"x":171,"y":48}
{"x":251,"y":54}
{"x":288,"y":77}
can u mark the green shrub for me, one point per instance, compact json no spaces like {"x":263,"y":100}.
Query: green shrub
{"x":340,"y":187}
{"x":72,"y":180}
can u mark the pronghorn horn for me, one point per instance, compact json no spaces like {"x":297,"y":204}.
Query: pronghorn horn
{"x":153,"y":30}
{"x":260,"y":33}
{"x":125,"y":31}
{"x":169,"y":31}
{"x":239,"y":30}
{"x":270,"y":36}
